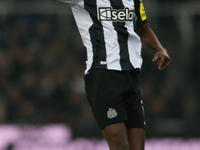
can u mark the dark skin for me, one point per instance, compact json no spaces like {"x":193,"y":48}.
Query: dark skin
{"x":117,"y":136}
{"x":150,"y":40}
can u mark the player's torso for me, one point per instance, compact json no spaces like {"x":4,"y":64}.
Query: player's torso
{"x":107,"y":31}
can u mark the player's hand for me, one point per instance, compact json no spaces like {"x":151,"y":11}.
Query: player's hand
{"x":163,"y":59}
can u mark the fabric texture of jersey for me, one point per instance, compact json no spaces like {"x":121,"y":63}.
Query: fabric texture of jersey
{"x":107,"y":28}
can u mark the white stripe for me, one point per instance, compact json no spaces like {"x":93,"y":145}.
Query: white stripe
{"x":84,"y":22}
{"x":134,"y":43}
{"x":111,"y":40}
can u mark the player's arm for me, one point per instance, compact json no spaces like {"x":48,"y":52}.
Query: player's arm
{"x":150,"y":40}
{"x":148,"y":37}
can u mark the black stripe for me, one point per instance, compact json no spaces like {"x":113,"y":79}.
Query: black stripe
{"x":139,"y":21}
{"x":96,"y":34}
{"x":122,"y":37}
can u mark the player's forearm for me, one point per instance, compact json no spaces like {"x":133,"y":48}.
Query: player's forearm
{"x":151,"y":41}
{"x":149,"y":38}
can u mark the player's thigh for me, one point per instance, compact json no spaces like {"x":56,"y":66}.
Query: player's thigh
{"x":116,"y":135}
{"x":136,"y":138}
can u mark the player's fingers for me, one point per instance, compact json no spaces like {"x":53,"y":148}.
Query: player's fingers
{"x":166,"y":64}
{"x":164,"y":67}
{"x":155,"y":58}
{"x":161,"y":62}
{"x":166,"y":60}
{"x":160,"y":66}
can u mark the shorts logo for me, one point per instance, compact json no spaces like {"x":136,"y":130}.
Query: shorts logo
{"x":121,"y":15}
{"x":111,"y":113}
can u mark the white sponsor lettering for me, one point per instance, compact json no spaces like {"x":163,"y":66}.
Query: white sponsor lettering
{"x":121,"y":15}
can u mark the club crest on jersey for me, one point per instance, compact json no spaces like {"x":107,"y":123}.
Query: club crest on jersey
{"x":121,"y":15}
{"x":111,"y":113}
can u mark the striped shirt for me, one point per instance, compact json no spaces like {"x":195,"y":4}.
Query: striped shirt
{"x":107,"y":28}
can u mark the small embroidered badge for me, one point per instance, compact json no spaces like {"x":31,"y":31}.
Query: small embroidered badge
{"x":111,"y":113}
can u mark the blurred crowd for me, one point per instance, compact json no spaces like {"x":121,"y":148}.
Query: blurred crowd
{"x":42,"y":62}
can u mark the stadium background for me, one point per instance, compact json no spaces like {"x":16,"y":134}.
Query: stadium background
{"x":42,"y":62}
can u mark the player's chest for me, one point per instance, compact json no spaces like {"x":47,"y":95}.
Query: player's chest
{"x":112,"y":10}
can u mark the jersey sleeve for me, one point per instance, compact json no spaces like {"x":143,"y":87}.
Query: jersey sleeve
{"x":141,"y":17}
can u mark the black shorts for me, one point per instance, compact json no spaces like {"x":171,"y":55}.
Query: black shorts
{"x":115,"y":97}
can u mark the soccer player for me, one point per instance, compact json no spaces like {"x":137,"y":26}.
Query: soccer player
{"x":112,"y":31}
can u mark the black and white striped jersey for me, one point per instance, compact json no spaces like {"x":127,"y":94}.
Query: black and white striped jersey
{"x":107,"y":28}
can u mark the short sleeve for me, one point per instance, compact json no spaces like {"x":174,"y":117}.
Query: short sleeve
{"x":141,"y":17}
